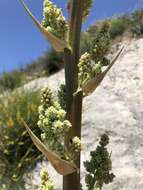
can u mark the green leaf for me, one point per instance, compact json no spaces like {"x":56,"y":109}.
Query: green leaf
{"x":92,"y":84}
{"x":61,"y":166}
{"x":57,"y":44}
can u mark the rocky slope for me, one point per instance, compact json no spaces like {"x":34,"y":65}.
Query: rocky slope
{"x":117,"y":108}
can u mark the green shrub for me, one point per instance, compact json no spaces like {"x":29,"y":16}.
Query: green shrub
{"x":137,"y":22}
{"x":11,"y":80}
{"x":119,"y":26}
{"x":48,"y":63}
{"x":54,"y":61}
{"x":17,"y":152}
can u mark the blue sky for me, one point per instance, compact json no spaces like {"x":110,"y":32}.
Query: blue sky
{"x":21,"y":42}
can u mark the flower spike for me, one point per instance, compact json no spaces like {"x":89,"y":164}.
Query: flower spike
{"x":57,"y":44}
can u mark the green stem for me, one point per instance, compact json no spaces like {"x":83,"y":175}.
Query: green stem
{"x":74,"y":35}
{"x":74,"y":102}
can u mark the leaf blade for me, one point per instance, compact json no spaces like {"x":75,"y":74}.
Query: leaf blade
{"x":61,"y":166}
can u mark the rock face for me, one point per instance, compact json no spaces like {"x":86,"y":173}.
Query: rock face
{"x":117,"y":108}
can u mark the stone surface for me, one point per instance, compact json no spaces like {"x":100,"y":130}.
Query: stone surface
{"x":117,"y":108}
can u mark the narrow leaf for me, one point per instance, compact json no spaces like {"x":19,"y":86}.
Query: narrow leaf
{"x":92,"y":84}
{"x":57,"y":44}
{"x":61,"y":166}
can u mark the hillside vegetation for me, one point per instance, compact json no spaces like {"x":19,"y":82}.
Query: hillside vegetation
{"x":131,"y":24}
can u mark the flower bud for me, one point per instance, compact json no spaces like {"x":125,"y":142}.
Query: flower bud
{"x":46,"y":97}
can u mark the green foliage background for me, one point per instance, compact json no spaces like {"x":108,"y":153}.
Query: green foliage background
{"x":17,"y":152}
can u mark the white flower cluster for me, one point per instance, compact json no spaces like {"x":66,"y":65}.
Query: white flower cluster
{"x":54,"y":126}
{"x":46,"y":183}
{"x":52,"y":122}
{"x":54,"y":20}
{"x":88,"y":69}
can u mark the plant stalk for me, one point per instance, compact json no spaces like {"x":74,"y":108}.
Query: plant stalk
{"x":73,"y":100}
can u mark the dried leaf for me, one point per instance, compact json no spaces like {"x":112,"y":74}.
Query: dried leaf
{"x":57,"y":44}
{"x":92,"y":84}
{"x":61,"y":166}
